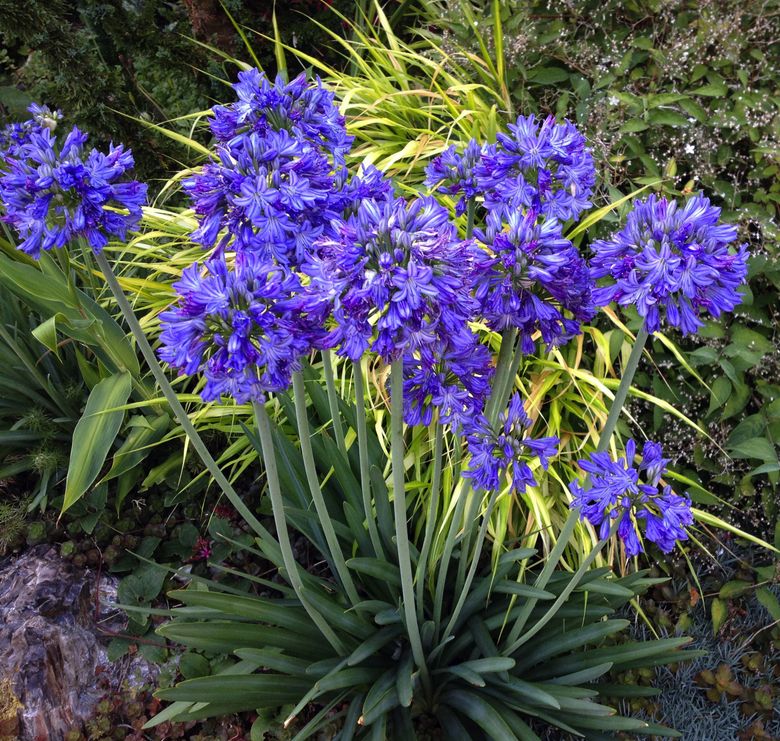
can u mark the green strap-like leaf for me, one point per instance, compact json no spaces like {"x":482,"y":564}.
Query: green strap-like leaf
{"x":95,"y":434}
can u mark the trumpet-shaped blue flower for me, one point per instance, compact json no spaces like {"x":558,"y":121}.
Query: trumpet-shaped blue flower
{"x":672,"y":260}
{"x":393,"y":278}
{"x":53,"y":195}
{"x":621,"y":490}
{"x":529,"y":277}
{"x":237,"y":325}
{"x":509,"y":449}
{"x":453,"y":173}
{"x":541,"y":165}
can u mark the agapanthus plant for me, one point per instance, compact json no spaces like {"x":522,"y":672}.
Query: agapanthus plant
{"x":309,"y":259}
{"x":54,"y":195}
{"x":634,"y":497}
{"x":672,"y":261}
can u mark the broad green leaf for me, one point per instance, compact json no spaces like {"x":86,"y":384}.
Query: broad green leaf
{"x":249,"y":692}
{"x":719,"y":611}
{"x":481,"y":712}
{"x":734,"y":588}
{"x":94,"y":435}
{"x":769,"y":601}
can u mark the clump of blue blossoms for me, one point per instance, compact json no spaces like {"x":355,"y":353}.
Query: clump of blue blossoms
{"x":279,"y":179}
{"x":393,"y":278}
{"x":508,"y":449}
{"x":449,"y":375}
{"x":272,"y":195}
{"x":530,"y":277}
{"x":621,"y":490}
{"x":304,"y":110}
{"x":453,"y":173}
{"x":56,"y":195}
{"x":672,"y":261}
{"x":543,"y":166}
{"x":239,"y":325}
{"x":16,"y":134}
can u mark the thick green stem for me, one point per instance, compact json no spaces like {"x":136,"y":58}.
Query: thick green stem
{"x":277,"y":505}
{"x":399,"y":510}
{"x":622,"y":390}
{"x":508,"y":367}
{"x":173,"y":400}
{"x":333,"y":402}
{"x":304,"y":435}
{"x":470,"y":209}
{"x":365,"y":476}
{"x":563,"y":596}
{"x":430,"y":522}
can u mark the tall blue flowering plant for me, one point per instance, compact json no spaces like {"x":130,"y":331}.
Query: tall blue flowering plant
{"x":399,"y":621}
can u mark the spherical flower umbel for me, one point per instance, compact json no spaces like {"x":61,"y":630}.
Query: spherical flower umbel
{"x":237,"y":325}
{"x":672,"y":261}
{"x":507,"y":450}
{"x":621,"y":490}
{"x":392,"y":278}
{"x":54,"y":195}
{"x":453,"y":173}
{"x":272,"y":196}
{"x":278,"y":178}
{"x":305,"y":110}
{"x":541,"y":165}
{"x":529,"y":276}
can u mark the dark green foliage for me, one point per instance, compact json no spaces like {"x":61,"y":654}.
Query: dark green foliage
{"x":101,"y":62}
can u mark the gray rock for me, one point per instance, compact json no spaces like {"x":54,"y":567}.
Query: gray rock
{"x":53,"y":662}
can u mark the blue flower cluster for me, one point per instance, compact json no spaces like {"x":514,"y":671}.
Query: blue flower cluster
{"x":631,"y":493}
{"x":54,"y":195}
{"x":279,"y":177}
{"x":453,"y":173}
{"x":450,"y":375}
{"x":529,"y":276}
{"x":306,"y":111}
{"x":672,"y":258}
{"x":239,"y":325}
{"x":507,"y":450}
{"x":543,"y":166}
{"x":15,"y":135}
{"x":393,"y":278}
